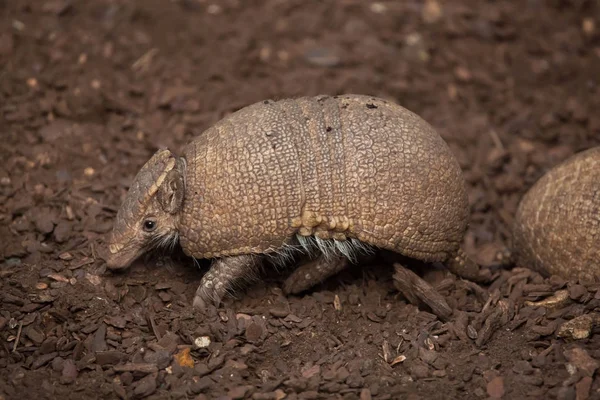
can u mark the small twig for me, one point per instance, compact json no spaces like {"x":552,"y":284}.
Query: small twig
{"x":144,"y":61}
{"x":547,"y":350}
{"x":93,"y":251}
{"x":58,"y":193}
{"x":77,"y":243}
{"x":399,"y":344}
{"x":496,"y":139}
{"x":14,"y":350}
{"x":153,"y":326}
{"x":85,"y":261}
{"x":145,"y":368}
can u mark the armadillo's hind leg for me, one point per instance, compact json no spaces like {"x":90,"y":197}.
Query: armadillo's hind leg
{"x":460,"y":264}
{"x":308,"y":275}
{"x":224,"y":273}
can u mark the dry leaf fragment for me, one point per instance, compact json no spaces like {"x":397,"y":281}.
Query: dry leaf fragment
{"x":398,"y":360}
{"x":184,"y":359}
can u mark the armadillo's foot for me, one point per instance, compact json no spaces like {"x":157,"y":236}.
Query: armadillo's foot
{"x":466,"y":268}
{"x":312,"y":273}
{"x":223,"y":274}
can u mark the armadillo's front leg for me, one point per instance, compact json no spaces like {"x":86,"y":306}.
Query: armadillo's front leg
{"x":223,"y":273}
{"x":312,"y":273}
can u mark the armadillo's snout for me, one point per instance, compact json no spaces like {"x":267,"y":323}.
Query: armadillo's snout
{"x":120,"y":256}
{"x":119,"y":261}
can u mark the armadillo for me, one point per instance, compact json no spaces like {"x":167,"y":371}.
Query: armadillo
{"x":556,"y":230}
{"x":323,"y":175}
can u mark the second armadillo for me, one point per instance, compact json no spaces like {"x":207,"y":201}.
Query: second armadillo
{"x":557,"y":225}
{"x":332,"y":174}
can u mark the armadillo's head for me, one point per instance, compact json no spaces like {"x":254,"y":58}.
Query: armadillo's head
{"x":149,"y":216}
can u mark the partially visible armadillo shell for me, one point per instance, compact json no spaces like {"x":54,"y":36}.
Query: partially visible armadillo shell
{"x":557,"y":226}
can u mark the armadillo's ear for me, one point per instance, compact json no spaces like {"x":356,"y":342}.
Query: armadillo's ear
{"x":170,"y":194}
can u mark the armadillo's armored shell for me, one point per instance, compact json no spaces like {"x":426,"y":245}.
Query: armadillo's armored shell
{"x":557,"y":225}
{"x":335,"y":167}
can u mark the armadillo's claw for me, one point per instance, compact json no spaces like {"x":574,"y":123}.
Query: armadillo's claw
{"x":205,"y":303}
{"x":207,"y":295}
{"x":199,"y":304}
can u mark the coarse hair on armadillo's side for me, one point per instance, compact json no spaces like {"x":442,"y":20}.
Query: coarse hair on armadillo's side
{"x":312,"y":246}
{"x":164,"y":241}
{"x":163,"y":244}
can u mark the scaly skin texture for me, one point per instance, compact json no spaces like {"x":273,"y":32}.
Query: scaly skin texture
{"x":335,"y":174}
{"x":557,"y":225}
{"x":308,"y":275}
{"x":223,"y":272}
{"x":335,"y":167}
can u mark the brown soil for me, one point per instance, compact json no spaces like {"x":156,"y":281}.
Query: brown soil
{"x":90,"y":89}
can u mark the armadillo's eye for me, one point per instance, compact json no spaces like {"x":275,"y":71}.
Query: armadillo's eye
{"x":149,"y":225}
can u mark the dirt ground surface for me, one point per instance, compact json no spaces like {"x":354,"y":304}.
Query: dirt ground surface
{"x":90,"y":89}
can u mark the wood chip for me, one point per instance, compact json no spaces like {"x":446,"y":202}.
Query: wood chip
{"x":144,"y":368}
{"x":495,"y":388}
{"x":559,"y":299}
{"x":581,"y":360}
{"x":387,"y":351}
{"x":499,"y":317}
{"x":58,"y":278}
{"x":416,"y":290}
{"x":337,"y":304}
{"x":580,"y":327}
